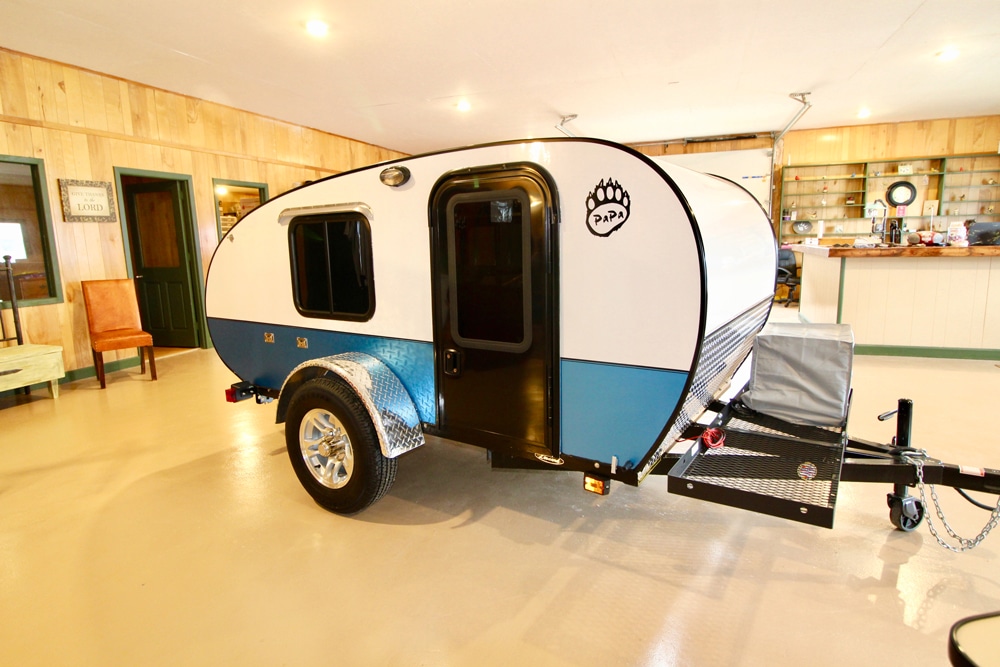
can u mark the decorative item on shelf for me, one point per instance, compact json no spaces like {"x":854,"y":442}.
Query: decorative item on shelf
{"x":901,"y":193}
{"x":990,"y":181}
{"x":802,"y":227}
{"x":961,"y":197}
{"x":901,"y":210}
{"x":930,"y":206}
{"x":905,"y":169}
{"x":850,"y":200}
{"x":958,"y":234}
{"x":895,"y":232}
{"x":812,"y":214}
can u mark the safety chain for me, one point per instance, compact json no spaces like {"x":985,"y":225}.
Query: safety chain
{"x":917,"y":458}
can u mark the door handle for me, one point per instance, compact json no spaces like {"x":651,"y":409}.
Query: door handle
{"x":452,"y":362}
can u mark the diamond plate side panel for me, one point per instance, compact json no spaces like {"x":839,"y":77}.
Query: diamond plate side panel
{"x":721,"y":354}
{"x":384,"y":396}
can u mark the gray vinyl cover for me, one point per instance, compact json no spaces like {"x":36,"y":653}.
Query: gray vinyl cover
{"x":802,"y":373}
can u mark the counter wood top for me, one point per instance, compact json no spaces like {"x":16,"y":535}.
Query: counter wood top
{"x":899,"y":251}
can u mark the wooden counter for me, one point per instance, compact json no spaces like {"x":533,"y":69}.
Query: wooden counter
{"x":899,"y":251}
{"x":907,"y":300}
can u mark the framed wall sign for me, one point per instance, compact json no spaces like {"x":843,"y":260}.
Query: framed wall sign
{"x":87,"y":201}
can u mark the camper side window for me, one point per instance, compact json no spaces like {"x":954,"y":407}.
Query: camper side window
{"x":332,"y":266}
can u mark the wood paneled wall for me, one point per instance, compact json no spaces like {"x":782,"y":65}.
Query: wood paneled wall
{"x":924,"y":138}
{"x":885,"y":141}
{"x":688,"y":147}
{"x":84,"y":124}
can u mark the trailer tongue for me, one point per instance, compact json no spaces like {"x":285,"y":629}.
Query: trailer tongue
{"x":761,"y":462}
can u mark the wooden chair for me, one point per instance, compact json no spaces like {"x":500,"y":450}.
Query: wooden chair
{"x":113,"y":320}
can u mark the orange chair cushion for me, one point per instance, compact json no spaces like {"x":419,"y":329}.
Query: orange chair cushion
{"x":117,"y":339}
{"x":111,"y":304}
{"x":113,"y":315}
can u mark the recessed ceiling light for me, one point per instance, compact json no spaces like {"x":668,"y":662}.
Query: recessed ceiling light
{"x":864,"y":112}
{"x":947,"y":54}
{"x":317,"y":28}
{"x":463,"y":105}
{"x":221,"y":190}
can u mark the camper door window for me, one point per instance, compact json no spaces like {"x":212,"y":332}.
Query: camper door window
{"x":331,"y":260}
{"x":490,"y":258}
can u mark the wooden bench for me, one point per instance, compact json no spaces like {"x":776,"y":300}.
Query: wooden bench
{"x":24,"y":365}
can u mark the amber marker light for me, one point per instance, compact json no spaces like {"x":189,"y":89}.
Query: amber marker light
{"x":596,"y":484}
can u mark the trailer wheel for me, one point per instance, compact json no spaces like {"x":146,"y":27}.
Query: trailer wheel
{"x":906,"y":519}
{"x":334,"y":448}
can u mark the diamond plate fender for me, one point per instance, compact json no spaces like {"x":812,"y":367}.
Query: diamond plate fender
{"x":388,"y":403}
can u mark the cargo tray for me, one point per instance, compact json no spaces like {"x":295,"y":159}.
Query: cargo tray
{"x":765,"y":465}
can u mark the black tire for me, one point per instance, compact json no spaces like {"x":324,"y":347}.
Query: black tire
{"x":901,"y":521}
{"x":334,"y":448}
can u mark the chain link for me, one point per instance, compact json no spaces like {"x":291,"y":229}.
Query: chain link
{"x":917,"y":458}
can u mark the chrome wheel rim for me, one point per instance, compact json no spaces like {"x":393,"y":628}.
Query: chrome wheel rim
{"x":326,"y":448}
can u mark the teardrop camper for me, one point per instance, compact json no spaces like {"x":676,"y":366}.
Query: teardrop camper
{"x":562,"y":303}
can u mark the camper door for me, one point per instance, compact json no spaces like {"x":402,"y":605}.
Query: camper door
{"x":493,"y":236}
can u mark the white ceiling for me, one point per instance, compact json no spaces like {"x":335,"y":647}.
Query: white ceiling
{"x":391,"y":72}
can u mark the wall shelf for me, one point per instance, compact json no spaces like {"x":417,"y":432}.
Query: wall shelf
{"x":803,"y":193}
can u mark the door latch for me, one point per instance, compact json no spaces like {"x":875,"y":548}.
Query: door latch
{"x":452,"y":362}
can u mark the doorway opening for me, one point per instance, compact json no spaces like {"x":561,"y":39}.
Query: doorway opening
{"x":163,"y":256}
{"x":233,"y":200}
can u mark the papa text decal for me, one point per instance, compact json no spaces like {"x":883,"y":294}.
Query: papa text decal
{"x":607,"y":207}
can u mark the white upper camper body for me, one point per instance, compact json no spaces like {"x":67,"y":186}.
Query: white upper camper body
{"x":563,"y":300}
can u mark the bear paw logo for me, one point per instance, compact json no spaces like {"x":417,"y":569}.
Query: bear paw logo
{"x":607,"y":207}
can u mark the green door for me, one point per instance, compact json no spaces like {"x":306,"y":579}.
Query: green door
{"x":161,"y":262}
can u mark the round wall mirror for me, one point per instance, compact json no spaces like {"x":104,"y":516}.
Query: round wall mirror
{"x":901,"y":193}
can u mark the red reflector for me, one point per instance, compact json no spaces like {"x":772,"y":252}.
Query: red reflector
{"x":231,"y":395}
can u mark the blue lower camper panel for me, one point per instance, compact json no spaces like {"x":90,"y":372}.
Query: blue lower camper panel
{"x":609,"y":410}
{"x":268,"y":364}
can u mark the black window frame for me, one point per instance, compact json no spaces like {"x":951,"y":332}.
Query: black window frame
{"x":325,"y":219}
{"x":46,"y":233}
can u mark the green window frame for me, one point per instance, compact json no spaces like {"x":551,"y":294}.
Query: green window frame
{"x":37,"y":279}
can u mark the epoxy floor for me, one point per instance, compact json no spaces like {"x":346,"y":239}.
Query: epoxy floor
{"x":155,"y":524}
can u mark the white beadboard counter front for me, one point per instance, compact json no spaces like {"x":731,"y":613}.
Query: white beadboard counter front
{"x":907,"y":300}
